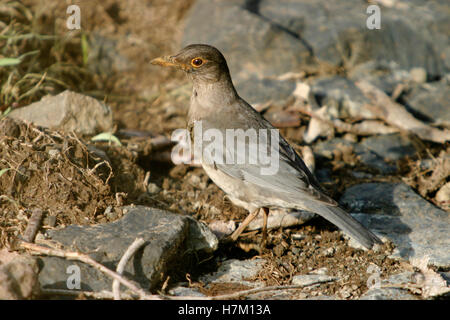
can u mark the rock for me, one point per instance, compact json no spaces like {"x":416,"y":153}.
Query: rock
{"x":235,"y":271}
{"x":222,"y":229}
{"x":263,"y":40}
{"x":310,"y":279}
{"x":390,"y":146}
{"x":387,"y":294}
{"x":186,"y":292}
{"x":415,"y":36}
{"x":383,"y":74}
{"x":68,"y":111}
{"x":18,"y":276}
{"x":443,"y":195}
{"x":378,"y":151}
{"x":417,"y":228}
{"x":169,"y":237}
{"x":259,"y":90}
{"x":429,"y":102}
{"x":418,"y":75}
{"x":238,"y":32}
{"x":379,"y":293}
{"x":340,"y":96}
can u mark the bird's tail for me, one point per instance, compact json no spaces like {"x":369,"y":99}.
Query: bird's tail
{"x":347,"y":223}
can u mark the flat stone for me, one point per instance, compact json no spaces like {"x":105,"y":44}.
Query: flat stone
{"x":390,"y":146}
{"x":416,"y":227}
{"x":387,"y":294}
{"x":68,"y":111}
{"x":379,"y":293}
{"x":412,"y":35}
{"x":168,"y":238}
{"x":429,"y":102}
{"x":182,"y":291}
{"x":235,"y":271}
{"x":379,"y":151}
{"x":386,"y":75}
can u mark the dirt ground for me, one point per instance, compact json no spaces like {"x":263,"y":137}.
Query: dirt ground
{"x":76,"y":181}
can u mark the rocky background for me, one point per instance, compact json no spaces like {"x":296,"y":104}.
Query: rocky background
{"x":85,"y":126}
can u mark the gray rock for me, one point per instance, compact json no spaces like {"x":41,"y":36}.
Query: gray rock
{"x":379,"y":293}
{"x":255,"y":90}
{"x":268,"y":38}
{"x":235,"y":271}
{"x":167,"y":237}
{"x":341,"y":96}
{"x":390,"y":146}
{"x":379,"y":151}
{"x":410,"y":35}
{"x":386,"y":75}
{"x":387,"y":294}
{"x":430,"y":102}
{"x":310,"y":279}
{"x":416,"y":227}
{"x":68,"y":111}
{"x":186,"y":292}
{"x":256,"y":49}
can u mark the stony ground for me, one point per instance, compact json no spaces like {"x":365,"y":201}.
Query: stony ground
{"x":77,"y":181}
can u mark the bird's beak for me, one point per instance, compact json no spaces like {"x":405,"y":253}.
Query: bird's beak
{"x":168,"y":61}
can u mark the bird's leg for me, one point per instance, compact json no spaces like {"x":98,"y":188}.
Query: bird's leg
{"x":244,"y":225}
{"x":264,"y":230}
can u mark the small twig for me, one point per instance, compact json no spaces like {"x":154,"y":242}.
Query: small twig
{"x":71,"y":255}
{"x":33,"y":225}
{"x":396,"y":115}
{"x":138,"y":243}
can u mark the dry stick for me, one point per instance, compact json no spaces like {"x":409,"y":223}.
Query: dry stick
{"x":71,"y":255}
{"x":395,"y":114}
{"x":138,"y":243}
{"x":33,"y":225}
{"x":366,"y":127}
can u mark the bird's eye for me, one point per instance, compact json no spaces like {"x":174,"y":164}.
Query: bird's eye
{"x":197,"y":62}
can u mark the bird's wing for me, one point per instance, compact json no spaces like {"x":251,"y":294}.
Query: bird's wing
{"x":286,"y":174}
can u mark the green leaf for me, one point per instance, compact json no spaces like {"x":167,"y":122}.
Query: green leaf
{"x":106,"y":136}
{"x":4,"y":170}
{"x":6,"y":62}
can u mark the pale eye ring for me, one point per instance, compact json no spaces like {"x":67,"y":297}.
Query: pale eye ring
{"x":197,"y":62}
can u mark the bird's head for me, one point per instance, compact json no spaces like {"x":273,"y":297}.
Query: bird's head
{"x":200,"y":61}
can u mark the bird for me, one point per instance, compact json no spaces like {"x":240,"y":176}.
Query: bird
{"x":216,"y":104}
